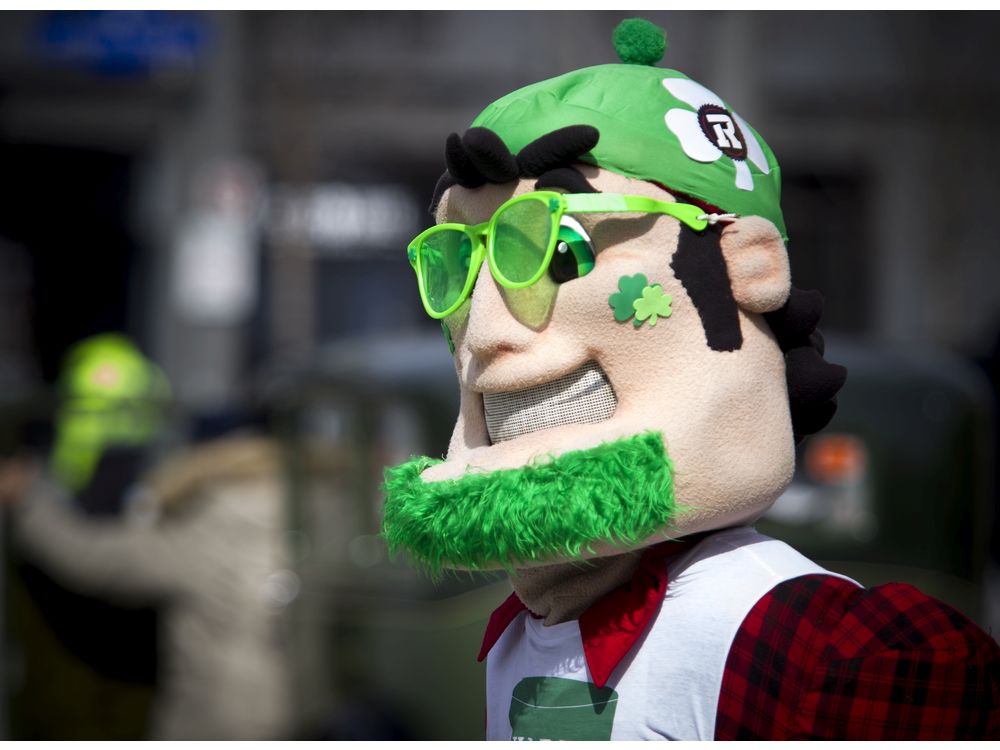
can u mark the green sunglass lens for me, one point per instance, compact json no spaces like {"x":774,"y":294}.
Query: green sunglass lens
{"x":444,"y":265}
{"x":521,"y":237}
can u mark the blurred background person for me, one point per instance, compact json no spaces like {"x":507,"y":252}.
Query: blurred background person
{"x":202,"y":540}
{"x":235,"y":191}
{"x":110,"y":410}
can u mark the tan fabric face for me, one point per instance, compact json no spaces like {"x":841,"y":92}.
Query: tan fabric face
{"x":564,"y":591}
{"x":723,"y":415}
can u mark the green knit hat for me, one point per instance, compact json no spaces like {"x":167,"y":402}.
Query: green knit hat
{"x":655,"y":124}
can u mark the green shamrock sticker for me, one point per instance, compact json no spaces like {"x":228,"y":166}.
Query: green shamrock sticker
{"x":636,"y":296}
{"x":630,"y":290}
{"x":653,"y":303}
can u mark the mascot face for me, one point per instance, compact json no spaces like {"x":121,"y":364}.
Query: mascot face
{"x":633,"y":391}
{"x":723,"y":415}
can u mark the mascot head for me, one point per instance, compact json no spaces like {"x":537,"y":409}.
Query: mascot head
{"x":609,"y":267}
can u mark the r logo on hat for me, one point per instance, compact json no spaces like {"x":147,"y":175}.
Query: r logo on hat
{"x":720,"y":128}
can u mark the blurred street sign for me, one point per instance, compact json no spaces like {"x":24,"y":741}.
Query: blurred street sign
{"x":339,"y":219}
{"x":123,"y":42}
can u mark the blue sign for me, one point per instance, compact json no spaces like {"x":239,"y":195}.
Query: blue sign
{"x":124,"y":42}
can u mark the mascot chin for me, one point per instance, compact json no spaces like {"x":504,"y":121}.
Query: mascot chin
{"x":609,"y":267}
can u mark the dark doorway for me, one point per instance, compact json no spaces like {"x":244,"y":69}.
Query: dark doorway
{"x":88,"y":666}
{"x":68,"y":207}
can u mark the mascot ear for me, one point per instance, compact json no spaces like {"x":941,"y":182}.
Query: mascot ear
{"x":757,"y":263}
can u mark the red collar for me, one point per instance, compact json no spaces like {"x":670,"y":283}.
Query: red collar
{"x":615,"y":622}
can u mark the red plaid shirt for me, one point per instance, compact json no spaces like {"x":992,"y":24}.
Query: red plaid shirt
{"x":818,"y":658}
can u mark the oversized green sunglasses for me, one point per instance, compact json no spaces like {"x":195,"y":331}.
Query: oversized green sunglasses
{"x":518,"y":241}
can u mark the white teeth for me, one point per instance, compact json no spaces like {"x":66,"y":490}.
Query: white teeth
{"x":581,"y":397}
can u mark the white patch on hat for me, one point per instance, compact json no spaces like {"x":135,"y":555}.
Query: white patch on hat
{"x":713,"y":131}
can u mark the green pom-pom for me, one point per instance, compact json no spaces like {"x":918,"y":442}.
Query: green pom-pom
{"x":639,"y":42}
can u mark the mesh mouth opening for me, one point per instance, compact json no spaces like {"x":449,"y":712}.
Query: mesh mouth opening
{"x":581,"y":397}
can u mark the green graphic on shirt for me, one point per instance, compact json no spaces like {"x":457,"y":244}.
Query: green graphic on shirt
{"x":554,"y":708}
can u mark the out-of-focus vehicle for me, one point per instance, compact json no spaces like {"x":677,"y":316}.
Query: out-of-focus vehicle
{"x":896,"y":488}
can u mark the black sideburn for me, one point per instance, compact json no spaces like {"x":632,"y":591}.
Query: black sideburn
{"x":698,"y":264}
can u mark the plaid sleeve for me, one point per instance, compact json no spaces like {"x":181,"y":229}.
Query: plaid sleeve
{"x":819,"y":658}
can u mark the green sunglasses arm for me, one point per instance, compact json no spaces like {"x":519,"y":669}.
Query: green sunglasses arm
{"x":609,"y":203}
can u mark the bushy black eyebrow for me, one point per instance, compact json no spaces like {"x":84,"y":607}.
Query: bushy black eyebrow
{"x":560,"y":148}
{"x":567,"y":178}
{"x":480,"y":156}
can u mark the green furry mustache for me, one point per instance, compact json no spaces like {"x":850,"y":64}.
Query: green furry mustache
{"x":621,"y":491}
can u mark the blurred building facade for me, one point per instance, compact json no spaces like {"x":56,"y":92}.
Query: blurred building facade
{"x":309,"y":142}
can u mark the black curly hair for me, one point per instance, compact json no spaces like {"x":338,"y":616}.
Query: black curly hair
{"x":480,"y":157}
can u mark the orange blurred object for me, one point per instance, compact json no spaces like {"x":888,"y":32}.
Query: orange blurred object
{"x":835,"y":459}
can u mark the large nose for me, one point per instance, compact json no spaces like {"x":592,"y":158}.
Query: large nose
{"x":507,"y":320}
{"x":492,"y":327}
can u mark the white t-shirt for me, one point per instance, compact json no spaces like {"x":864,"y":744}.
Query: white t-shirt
{"x":667,"y":687}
